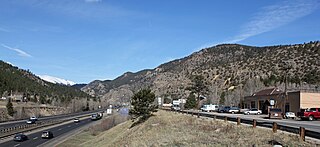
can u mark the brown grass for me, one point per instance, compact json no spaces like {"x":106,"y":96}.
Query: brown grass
{"x":169,"y":129}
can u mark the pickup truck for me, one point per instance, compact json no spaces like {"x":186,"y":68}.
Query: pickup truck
{"x":310,"y":114}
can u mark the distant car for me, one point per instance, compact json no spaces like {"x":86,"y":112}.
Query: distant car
{"x":223,"y":109}
{"x":30,"y":121}
{"x":275,"y":113}
{"x":290,"y":115}
{"x":252,"y":111}
{"x":210,"y":107}
{"x":234,"y":110}
{"x":76,"y":120}
{"x":20,"y":137}
{"x":47,"y":134}
{"x":33,"y":118}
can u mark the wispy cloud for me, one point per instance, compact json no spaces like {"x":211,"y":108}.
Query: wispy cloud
{"x":4,"y":30}
{"x":93,"y":1}
{"x":19,"y":51}
{"x":276,"y":16}
{"x":272,"y":17}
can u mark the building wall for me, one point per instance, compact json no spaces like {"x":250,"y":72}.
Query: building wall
{"x":309,"y":100}
{"x":296,"y":100}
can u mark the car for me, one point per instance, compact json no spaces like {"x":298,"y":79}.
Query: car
{"x":210,"y":107}
{"x":252,"y":111}
{"x":275,"y":113}
{"x":30,"y":121}
{"x":47,"y":134}
{"x":34,"y":118}
{"x":20,"y":137}
{"x":234,"y":110}
{"x":290,"y":115}
{"x":76,"y":120}
{"x":223,"y":109}
{"x":310,"y":114}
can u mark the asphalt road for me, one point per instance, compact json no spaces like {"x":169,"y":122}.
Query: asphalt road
{"x":23,"y":122}
{"x":309,"y":125}
{"x":35,"y":139}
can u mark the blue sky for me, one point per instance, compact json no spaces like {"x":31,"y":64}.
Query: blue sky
{"x":85,"y":40}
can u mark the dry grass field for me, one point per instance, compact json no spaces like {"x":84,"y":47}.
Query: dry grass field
{"x":171,"y":129}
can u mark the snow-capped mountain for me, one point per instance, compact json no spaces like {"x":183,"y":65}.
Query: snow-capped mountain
{"x":56,"y":80}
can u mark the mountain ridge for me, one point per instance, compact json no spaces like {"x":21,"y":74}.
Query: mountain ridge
{"x":222,"y":66}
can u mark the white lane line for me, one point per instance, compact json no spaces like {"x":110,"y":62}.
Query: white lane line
{"x":60,"y":129}
{"x":35,"y":138}
{"x":69,"y":126}
{"x":16,"y":145}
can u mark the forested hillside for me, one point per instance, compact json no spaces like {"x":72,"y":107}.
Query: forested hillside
{"x":15,"y":80}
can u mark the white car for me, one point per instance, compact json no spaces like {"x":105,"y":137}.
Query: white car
{"x":252,"y":111}
{"x":290,"y":115}
{"x":33,"y":118}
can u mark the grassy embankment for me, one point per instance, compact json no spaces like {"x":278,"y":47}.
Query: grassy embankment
{"x":170,"y":129}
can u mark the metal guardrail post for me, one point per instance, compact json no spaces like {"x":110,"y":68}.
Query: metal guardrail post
{"x":302,"y":133}
{"x":198,"y":115}
{"x":238,"y":121}
{"x":214,"y":117}
{"x":254,"y":123}
{"x":225,"y":118}
{"x":274,"y":127}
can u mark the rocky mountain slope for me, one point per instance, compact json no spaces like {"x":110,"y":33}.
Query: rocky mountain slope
{"x":241,"y":69}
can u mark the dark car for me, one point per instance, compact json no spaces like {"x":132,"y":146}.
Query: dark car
{"x":275,"y":113}
{"x":224,"y":109}
{"x":20,"y":137}
{"x":47,"y":134}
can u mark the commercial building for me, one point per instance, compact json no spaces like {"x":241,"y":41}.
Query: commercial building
{"x":275,"y":98}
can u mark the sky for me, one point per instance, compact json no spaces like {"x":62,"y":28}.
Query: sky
{"x":86,"y":40}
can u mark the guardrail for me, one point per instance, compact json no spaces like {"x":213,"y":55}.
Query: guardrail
{"x":301,"y":131}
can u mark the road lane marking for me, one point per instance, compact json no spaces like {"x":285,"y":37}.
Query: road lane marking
{"x":60,"y":129}
{"x":35,"y":138}
{"x":69,"y":126}
{"x":16,"y":145}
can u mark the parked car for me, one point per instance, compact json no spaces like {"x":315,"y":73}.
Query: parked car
{"x":30,"y":121}
{"x":252,"y":111}
{"x":34,"y":118}
{"x":209,"y":108}
{"x":223,"y":109}
{"x":47,"y":134}
{"x":234,"y":110}
{"x":275,"y":113}
{"x":20,"y":137}
{"x":76,"y":120}
{"x":290,"y":115}
{"x":310,"y":114}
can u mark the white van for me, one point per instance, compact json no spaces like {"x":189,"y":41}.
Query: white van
{"x":209,"y":108}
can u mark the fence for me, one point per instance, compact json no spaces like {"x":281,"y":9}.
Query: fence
{"x":301,"y":131}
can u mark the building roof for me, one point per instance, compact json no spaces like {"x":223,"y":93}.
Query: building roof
{"x":270,"y":91}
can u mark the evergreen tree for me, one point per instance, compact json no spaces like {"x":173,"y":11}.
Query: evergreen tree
{"x":191,"y":102}
{"x":142,"y":104}
{"x":199,"y":87}
{"x":10,"y":107}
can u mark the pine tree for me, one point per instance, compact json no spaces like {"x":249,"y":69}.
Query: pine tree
{"x":142,"y":104}
{"x":191,"y":102}
{"x":198,"y":87}
{"x":10,"y":107}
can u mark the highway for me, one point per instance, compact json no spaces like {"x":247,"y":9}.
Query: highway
{"x":35,"y":139}
{"x":9,"y":124}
